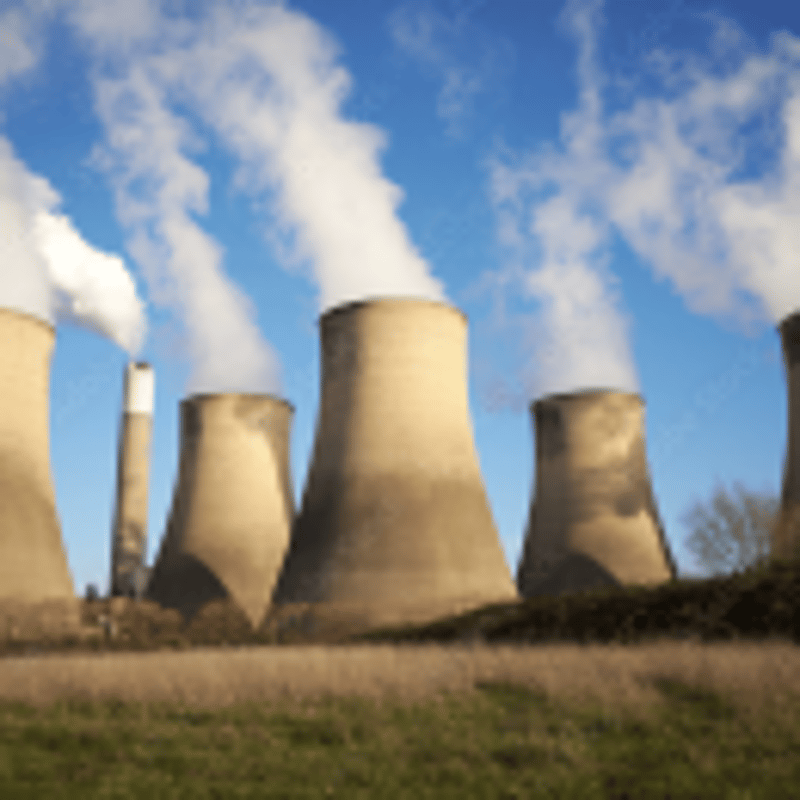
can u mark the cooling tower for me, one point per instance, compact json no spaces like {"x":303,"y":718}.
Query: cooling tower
{"x":394,"y":523}
{"x":593,"y":520}
{"x":33,"y":564}
{"x":129,"y":535}
{"x":787,"y":534}
{"x":233,"y":505}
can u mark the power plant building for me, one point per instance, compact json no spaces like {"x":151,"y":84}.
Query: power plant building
{"x":233,"y":505}
{"x":786,"y":542}
{"x":33,"y":563}
{"x":394,"y":523}
{"x":593,"y":519}
{"x":129,"y":535}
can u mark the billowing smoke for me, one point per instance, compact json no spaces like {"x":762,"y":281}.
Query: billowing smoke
{"x":159,"y":190}
{"x":48,"y":268}
{"x":699,"y":175}
{"x":559,"y":244}
{"x":707,"y":184}
{"x":24,"y":283}
{"x":267,"y":81}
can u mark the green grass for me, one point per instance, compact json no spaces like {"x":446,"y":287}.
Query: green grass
{"x":500,"y":741}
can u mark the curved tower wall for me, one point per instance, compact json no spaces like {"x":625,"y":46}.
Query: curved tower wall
{"x":233,"y":505}
{"x":787,"y":536}
{"x":33,"y":563}
{"x":593,"y":519}
{"x":129,"y":534}
{"x":394,"y":523}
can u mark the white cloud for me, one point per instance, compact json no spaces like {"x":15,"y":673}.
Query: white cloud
{"x":558,"y":241}
{"x":268,"y":81}
{"x":89,"y":287}
{"x":455,"y":51}
{"x":158,"y":191}
{"x":50,"y":271}
{"x":18,"y":45}
{"x":23,"y":280}
{"x":700,"y":176}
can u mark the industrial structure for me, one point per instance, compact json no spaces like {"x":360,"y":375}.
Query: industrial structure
{"x":33,"y":563}
{"x":394,"y":524}
{"x":129,"y":533}
{"x":233,"y":505}
{"x":786,"y":543}
{"x":593,"y":520}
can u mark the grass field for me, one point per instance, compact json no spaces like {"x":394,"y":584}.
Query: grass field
{"x":659,"y":720}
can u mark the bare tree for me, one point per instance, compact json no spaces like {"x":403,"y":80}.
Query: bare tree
{"x":732,"y":531}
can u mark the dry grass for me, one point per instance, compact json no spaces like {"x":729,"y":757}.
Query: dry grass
{"x":754,"y":675}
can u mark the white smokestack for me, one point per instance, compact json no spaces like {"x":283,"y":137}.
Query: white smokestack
{"x":140,"y":384}
{"x":129,"y":534}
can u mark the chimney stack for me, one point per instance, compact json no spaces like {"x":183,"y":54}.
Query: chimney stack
{"x":129,"y":535}
{"x":786,"y":542}
{"x":593,"y":520}
{"x":395,"y":524}
{"x":233,"y":505}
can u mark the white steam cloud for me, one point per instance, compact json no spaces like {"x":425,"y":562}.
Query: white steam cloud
{"x":266,"y":81}
{"x":24,"y":283}
{"x":90,"y":288}
{"x":707,"y":188}
{"x":700,"y":177}
{"x":546,"y":218}
{"x":50,"y":271}
{"x":159,"y":190}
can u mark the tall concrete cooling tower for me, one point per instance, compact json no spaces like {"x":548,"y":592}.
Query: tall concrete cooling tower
{"x":233,"y":505}
{"x":33,"y":564}
{"x":395,"y":523}
{"x":129,"y":534}
{"x":593,"y":520}
{"x":786,"y":543}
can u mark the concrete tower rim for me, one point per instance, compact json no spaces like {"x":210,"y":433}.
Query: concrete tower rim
{"x":790,"y":324}
{"x":202,"y":396}
{"x":27,"y":314}
{"x":350,"y":306}
{"x":583,"y":394}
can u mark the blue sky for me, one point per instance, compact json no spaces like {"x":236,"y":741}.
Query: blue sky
{"x":607,"y":190}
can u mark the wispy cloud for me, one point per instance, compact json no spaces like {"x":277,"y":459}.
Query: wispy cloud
{"x":557,"y":239}
{"x":699,"y":174}
{"x":452,"y":49}
{"x":19,"y":44}
{"x":264,"y":82}
{"x":269,"y":82}
{"x":159,"y":192}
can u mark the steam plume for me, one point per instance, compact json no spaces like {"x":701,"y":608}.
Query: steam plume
{"x":700,"y":177}
{"x":708,"y":204}
{"x":158,"y":192}
{"x":268,"y":81}
{"x":559,"y":242}
{"x":48,"y":268}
